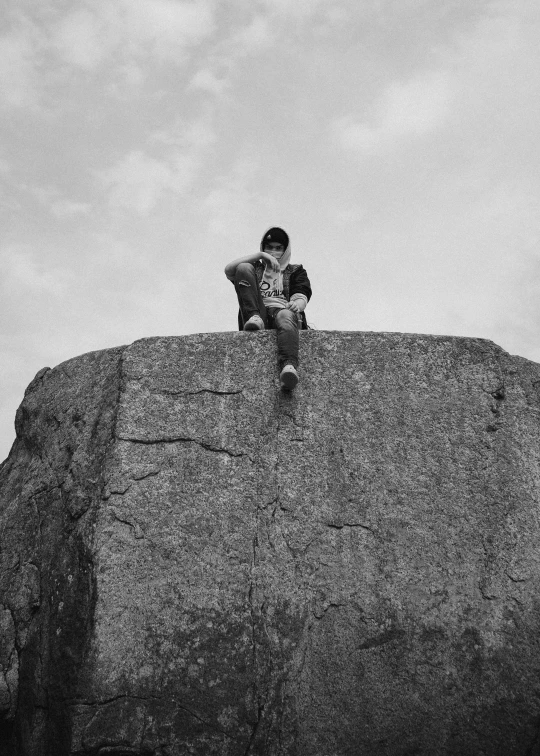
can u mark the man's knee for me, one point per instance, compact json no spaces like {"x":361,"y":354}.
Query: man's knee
{"x":244,"y":274}
{"x":286,"y":319}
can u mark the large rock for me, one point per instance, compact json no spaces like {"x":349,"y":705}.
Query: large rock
{"x":194,"y":562}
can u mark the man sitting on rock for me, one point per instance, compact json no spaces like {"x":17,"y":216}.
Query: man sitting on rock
{"x":272,"y":293}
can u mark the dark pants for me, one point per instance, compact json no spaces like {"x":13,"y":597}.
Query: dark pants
{"x":285,"y":322}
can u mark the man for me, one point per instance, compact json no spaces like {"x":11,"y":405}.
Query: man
{"x":272,"y":293}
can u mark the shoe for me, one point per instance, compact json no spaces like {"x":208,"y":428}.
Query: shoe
{"x":255,"y":323}
{"x":288,"y":377}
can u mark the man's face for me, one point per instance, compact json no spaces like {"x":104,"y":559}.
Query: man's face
{"x":274,"y":248}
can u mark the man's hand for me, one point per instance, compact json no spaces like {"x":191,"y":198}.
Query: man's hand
{"x":293,"y":306}
{"x":271,"y":262}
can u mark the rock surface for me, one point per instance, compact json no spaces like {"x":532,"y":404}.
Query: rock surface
{"x":194,"y":562}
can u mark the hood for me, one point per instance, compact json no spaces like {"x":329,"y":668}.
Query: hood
{"x":285,"y":258}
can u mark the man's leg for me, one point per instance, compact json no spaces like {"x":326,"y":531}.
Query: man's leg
{"x":287,"y":337}
{"x":249,"y":295}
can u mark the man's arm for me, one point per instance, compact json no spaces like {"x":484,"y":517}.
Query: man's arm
{"x":300,"y":283}
{"x":297,"y":303}
{"x":230,"y":269}
{"x":300,"y":290}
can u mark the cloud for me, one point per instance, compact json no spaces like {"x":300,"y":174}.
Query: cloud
{"x":82,"y":39}
{"x":138,"y":181}
{"x":231,"y":203}
{"x":131,"y":74}
{"x":64,"y":208}
{"x":132,"y":29}
{"x":249,"y":39}
{"x":19,"y":69}
{"x":24,"y":271}
{"x":207,"y":81}
{"x":96,"y":34}
{"x":498,"y":66}
{"x":486,"y":80}
{"x":255,"y":35}
{"x":195,"y":135}
{"x":53,"y":199}
{"x":300,"y":9}
{"x":404,"y":110}
{"x":168,"y":25}
{"x":8,"y":199}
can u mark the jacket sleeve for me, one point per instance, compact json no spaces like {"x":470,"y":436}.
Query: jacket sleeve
{"x":300,"y":283}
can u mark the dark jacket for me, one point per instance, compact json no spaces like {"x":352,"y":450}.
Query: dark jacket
{"x":295,"y":281}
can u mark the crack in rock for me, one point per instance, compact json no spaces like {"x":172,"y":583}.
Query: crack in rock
{"x":117,"y":489}
{"x":382,"y":640}
{"x":180,"y":439}
{"x":255,"y":729}
{"x":340,"y":526}
{"x":203,"y":721}
{"x":138,"y":532}
{"x":146,"y":475}
{"x":167,"y":392}
{"x":107,"y":701}
{"x":516,"y":579}
{"x":488,"y":596}
{"x":319,"y":613}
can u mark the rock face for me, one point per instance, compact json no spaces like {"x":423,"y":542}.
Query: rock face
{"x":194,"y":562}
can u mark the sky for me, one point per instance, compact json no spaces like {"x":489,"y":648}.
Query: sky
{"x":146,"y":143}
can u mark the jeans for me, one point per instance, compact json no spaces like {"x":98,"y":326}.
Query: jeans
{"x":285,"y":322}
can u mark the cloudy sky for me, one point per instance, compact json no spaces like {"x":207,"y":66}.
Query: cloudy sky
{"x":146,"y":143}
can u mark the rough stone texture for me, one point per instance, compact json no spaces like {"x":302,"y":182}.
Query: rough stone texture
{"x":194,"y":562}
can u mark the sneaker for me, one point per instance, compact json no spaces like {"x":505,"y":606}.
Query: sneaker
{"x":288,"y":377}
{"x":255,"y":323}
